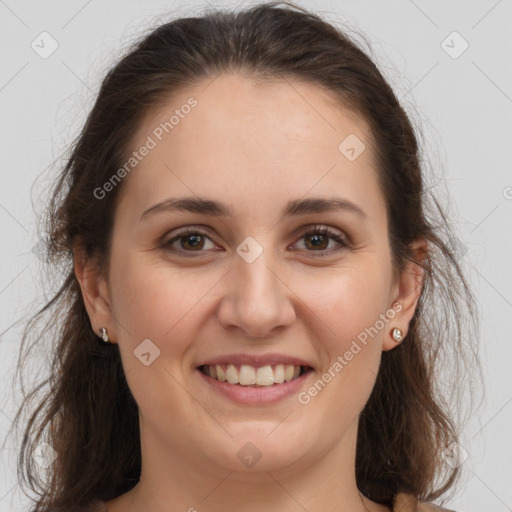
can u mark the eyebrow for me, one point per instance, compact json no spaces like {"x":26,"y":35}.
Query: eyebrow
{"x":217,"y":209}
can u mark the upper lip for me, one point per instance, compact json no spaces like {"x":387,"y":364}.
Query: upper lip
{"x":256,"y":360}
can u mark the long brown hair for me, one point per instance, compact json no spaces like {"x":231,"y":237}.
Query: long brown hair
{"x":87,"y":413}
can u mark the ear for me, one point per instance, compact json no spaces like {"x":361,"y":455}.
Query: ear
{"x":406,"y":294}
{"x":95,"y":292}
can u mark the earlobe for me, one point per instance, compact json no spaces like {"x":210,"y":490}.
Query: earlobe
{"x":408,"y":292}
{"x":94,"y":291}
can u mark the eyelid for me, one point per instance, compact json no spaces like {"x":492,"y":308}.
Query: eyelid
{"x":335,"y":234}
{"x":182,"y":232}
{"x":342,"y":239}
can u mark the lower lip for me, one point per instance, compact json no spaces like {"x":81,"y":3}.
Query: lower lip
{"x":258,"y":395}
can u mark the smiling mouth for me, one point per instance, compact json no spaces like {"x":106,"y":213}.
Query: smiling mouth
{"x":246,"y":375}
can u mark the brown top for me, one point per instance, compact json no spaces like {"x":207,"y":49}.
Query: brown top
{"x":402,"y":503}
{"x":408,"y":503}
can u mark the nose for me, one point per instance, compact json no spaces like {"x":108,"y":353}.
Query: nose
{"x":257,"y":300}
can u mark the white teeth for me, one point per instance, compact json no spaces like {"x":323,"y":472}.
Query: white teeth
{"x":279,"y":374}
{"x":265,"y":376}
{"x":249,"y":375}
{"x":232,"y":374}
{"x":221,"y":374}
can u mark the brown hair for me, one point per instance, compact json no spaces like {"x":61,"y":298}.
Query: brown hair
{"x":88,"y":414}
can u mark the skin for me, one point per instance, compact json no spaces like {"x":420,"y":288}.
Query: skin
{"x":253,"y":146}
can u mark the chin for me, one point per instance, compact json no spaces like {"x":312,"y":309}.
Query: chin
{"x":254,"y":451}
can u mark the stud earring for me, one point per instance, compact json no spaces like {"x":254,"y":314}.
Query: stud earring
{"x":104,"y":335}
{"x":397,"y":334}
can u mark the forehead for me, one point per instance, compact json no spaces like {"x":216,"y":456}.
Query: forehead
{"x":257,"y":140}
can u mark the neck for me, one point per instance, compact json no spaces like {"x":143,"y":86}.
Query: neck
{"x":172,"y":479}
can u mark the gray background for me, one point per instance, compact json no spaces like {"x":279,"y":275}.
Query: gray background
{"x":463,"y":106}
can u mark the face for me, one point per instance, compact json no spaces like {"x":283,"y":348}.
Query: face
{"x":272,"y":276}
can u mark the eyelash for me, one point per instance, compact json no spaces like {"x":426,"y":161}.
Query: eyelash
{"x":307,"y":231}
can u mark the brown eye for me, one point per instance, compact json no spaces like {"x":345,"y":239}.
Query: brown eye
{"x":317,"y":241}
{"x":318,"y":238}
{"x":189,"y":240}
{"x":192,"y":241}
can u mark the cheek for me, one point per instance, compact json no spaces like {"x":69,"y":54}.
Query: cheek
{"x":162,"y":304}
{"x":156,"y":301}
{"x":348,"y":329}
{"x":346,"y":303}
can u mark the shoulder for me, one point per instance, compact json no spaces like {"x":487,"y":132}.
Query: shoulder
{"x":404,"y":502}
{"x":96,"y":506}
{"x":430,"y":507}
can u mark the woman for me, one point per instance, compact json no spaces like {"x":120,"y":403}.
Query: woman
{"x":256,"y":300}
